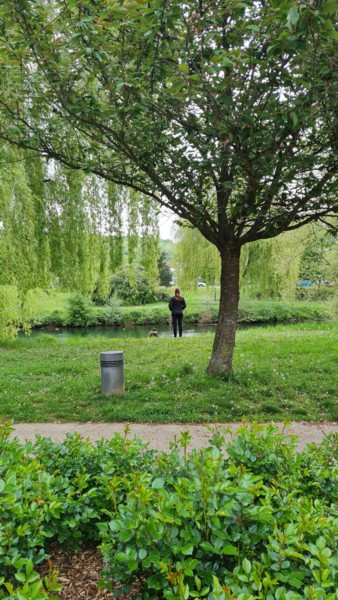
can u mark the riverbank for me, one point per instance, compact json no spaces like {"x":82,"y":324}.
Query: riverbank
{"x":52,"y":310}
{"x":285,"y":372}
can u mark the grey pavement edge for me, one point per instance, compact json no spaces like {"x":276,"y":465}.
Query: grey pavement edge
{"x":159,"y":436}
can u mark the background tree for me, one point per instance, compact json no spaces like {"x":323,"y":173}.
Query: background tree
{"x":319,"y":258}
{"x":164,"y":271}
{"x":196,"y":259}
{"x":223,"y":111}
{"x":132,"y":286}
{"x":268,"y":268}
{"x":62,"y":228}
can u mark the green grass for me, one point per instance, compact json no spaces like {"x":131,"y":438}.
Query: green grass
{"x":201,"y":307}
{"x":286,"y":372}
{"x":47,"y":302}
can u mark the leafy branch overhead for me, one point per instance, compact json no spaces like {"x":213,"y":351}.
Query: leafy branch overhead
{"x":222,"y":111}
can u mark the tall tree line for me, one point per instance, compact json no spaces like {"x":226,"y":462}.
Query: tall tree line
{"x":268,"y":268}
{"x":62,"y":228}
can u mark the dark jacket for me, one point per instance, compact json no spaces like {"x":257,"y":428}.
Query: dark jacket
{"x":177,"y":306}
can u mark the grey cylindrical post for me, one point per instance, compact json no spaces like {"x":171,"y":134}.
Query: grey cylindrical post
{"x":112,"y":373}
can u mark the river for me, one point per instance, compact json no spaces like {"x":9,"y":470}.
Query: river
{"x":140,"y":331}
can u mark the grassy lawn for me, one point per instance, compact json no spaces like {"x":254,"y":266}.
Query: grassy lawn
{"x":199,"y":299}
{"x":286,"y":372}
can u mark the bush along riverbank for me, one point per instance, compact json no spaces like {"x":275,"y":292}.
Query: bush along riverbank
{"x":260,"y":523}
{"x":81,"y":314}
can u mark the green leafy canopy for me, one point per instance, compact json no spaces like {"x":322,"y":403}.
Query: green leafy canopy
{"x":222,"y":111}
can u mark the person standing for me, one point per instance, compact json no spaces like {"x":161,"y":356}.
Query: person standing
{"x":177,"y":305}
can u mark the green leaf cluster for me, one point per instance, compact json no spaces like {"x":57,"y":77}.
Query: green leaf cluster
{"x":245,"y":518}
{"x":132,"y":287}
{"x":256,"y":525}
{"x":56,"y":493}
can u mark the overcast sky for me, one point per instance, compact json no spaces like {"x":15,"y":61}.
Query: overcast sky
{"x":166,"y":222}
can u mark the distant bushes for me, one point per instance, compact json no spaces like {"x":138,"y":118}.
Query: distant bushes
{"x":315,"y":292}
{"x":81,"y":313}
{"x":132,"y":287}
{"x":269,"y":311}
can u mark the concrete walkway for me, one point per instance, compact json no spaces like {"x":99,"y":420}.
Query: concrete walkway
{"x":159,"y":436}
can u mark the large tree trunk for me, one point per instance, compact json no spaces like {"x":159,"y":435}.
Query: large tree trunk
{"x":224,"y":342}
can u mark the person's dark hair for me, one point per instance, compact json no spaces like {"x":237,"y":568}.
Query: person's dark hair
{"x":178,"y":294}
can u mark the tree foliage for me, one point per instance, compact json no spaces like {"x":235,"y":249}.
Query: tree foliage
{"x":269,"y":268}
{"x":62,"y":228}
{"x":58,"y":225}
{"x":132,"y":286}
{"x":181,"y":102}
{"x":319,"y":261}
{"x":195,"y":259}
{"x":10,"y":311}
{"x":164,"y":271}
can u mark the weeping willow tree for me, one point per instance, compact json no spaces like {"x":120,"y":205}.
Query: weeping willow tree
{"x":19,"y":258}
{"x":10,"y":311}
{"x":62,"y":228}
{"x":149,"y":240}
{"x":319,"y":263}
{"x":114,"y":223}
{"x":80,"y":253}
{"x":269,"y":268}
{"x":195,"y":259}
{"x":60,"y":225}
{"x":24,"y":246}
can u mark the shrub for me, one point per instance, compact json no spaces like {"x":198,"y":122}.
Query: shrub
{"x":155,"y":316}
{"x":111,"y":314}
{"x":269,"y":311}
{"x":192,"y":316}
{"x":80,"y":313}
{"x":246,"y":527}
{"x":28,"y":501}
{"x":244,"y":519}
{"x":136,"y":317}
{"x":54,"y":492}
{"x":132,"y":288}
{"x":57,"y":318}
{"x":163,"y":296}
{"x":315,"y":292}
{"x":91,"y":481}
{"x":10,"y":311}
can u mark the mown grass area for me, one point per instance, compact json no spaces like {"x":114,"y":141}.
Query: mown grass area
{"x":286,"y":372}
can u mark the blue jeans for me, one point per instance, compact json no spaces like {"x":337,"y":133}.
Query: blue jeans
{"x":177,"y":319}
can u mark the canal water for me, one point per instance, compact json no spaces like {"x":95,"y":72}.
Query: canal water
{"x":140,"y":331}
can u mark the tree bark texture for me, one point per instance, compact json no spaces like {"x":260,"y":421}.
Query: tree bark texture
{"x":224,"y":342}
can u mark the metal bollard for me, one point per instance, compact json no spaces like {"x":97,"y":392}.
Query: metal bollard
{"x":112,"y":373}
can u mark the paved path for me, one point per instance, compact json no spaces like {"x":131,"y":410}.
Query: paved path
{"x":158,"y":435}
